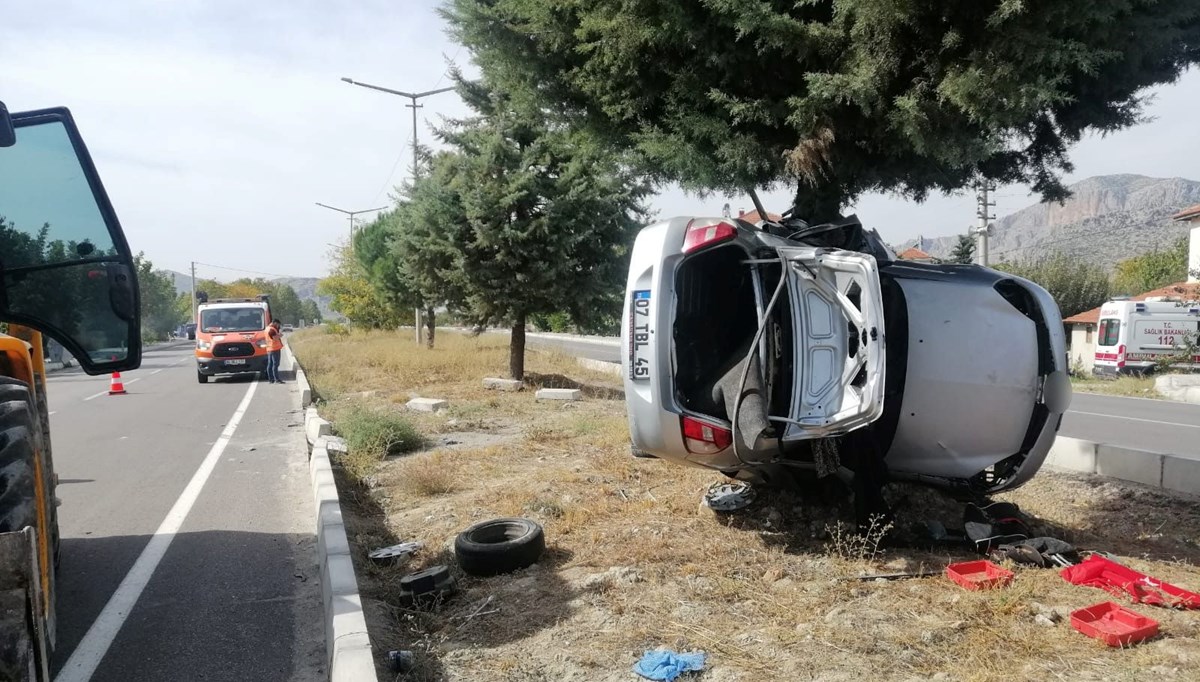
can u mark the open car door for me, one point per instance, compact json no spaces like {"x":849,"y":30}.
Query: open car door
{"x":839,"y":337}
{"x":65,"y":268}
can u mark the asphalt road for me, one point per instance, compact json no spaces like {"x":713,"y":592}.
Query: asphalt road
{"x":1164,"y":426}
{"x":1154,"y":425}
{"x":186,"y":509}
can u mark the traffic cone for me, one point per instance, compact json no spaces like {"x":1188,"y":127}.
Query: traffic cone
{"x":116,"y":388}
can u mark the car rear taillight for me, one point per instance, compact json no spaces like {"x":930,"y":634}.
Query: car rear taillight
{"x":703,"y":438}
{"x":700,"y":235}
{"x":1120,"y":356}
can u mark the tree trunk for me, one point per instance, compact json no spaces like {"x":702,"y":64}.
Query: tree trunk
{"x":821,"y":204}
{"x":516,"y":348}
{"x":430,"y":325}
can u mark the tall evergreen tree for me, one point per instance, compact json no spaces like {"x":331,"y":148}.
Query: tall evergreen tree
{"x":836,"y":97}
{"x":520,"y":218}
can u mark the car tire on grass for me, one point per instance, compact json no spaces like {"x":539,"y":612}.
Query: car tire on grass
{"x":499,"y":546}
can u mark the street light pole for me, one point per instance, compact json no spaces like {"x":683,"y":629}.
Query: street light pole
{"x":414,"y":96}
{"x":351,"y":214}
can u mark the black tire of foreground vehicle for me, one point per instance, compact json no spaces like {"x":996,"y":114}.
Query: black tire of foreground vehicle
{"x":202,"y":378}
{"x":19,"y":440}
{"x":499,"y":546}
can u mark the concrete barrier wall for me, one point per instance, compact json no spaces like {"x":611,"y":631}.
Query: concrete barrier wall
{"x":347,"y":644}
{"x":1171,"y":472}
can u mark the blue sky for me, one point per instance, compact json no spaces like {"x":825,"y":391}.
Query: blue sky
{"x":217,"y":124}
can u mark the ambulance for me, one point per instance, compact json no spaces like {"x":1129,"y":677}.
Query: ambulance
{"x":231,"y":336}
{"x":1135,"y":337}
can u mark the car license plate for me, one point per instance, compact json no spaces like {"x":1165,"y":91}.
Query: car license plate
{"x":235,"y":362}
{"x":639,"y":336}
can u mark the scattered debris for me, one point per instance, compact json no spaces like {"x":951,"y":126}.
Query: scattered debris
{"x":390,"y":556}
{"x":1113,"y":624}
{"x":979,"y":575}
{"x":499,"y":546}
{"x":427,"y":587}
{"x":1116,"y":579}
{"x":664,"y":664}
{"x":401,"y":661}
{"x":427,"y":405}
{"x":897,"y":576}
{"x":728,"y":497}
{"x":1044,"y":620}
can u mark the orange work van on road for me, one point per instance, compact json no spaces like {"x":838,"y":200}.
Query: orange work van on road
{"x":231,"y":336}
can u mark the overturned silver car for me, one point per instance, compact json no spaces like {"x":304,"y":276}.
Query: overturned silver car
{"x":763,"y":351}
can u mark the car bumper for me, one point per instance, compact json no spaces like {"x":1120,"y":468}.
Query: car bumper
{"x":214,"y":366}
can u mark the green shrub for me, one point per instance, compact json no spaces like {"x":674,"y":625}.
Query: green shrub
{"x":337,"y":329}
{"x":372,"y":435}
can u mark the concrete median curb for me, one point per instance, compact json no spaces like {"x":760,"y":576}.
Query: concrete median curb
{"x":1155,"y":469}
{"x":348,"y":652}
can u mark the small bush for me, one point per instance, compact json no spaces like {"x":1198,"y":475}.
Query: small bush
{"x":372,"y":435}
{"x":337,"y":329}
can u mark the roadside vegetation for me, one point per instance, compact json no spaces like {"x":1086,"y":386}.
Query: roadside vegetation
{"x":1128,"y":386}
{"x":634,"y":562}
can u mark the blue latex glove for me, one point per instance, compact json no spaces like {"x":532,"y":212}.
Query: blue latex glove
{"x":663,"y":664}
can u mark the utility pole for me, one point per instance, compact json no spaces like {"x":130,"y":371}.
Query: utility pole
{"x":414,"y":96}
{"x":194,"y":317}
{"x":983,"y":213}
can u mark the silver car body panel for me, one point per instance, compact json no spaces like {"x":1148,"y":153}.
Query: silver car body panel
{"x":840,"y":375}
{"x":971,"y":380}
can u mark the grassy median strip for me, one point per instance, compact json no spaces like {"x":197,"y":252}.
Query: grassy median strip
{"x":633,"y":562}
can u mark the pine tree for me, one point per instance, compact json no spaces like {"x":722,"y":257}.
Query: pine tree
{"x":520,"y":218}
{"x":964,"y":250}
{"x":836,"y":97}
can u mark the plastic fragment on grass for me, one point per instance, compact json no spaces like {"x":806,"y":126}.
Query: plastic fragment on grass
{"x":664,"y":664}
{"x":1119,"y":580}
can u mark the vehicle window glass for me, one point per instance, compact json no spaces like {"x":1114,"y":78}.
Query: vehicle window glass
{"x":53,"y":238}
{"x":47,"y":211}
{"x":231,"y":320}
{"x":1110,"y":332}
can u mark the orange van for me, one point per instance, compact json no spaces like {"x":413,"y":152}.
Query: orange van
{"x":231,"y":336}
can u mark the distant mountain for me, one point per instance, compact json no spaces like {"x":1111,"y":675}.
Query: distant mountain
{"x":1107,"y":219}
{"x":305,"y":288}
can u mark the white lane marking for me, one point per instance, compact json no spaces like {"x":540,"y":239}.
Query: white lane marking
{"x":87,"y":656}
{"x":155,"y":372}
{"x":54,"y":413}
{"x":1135,"y":419}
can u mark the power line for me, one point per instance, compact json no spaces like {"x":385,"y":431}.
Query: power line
{"x":251,"y":272}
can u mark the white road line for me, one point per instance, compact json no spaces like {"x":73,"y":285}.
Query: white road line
{"x":54,"y":413}
{"x":87,"y":656}
{"x":155,"y":372}
{"x":1135,"y":419}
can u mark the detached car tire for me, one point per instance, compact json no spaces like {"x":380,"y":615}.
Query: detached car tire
{"x":499,"y":546}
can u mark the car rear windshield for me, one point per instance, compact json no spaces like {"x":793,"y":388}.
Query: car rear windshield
{"x":1110,"y":332}
{"x":232,"y":320}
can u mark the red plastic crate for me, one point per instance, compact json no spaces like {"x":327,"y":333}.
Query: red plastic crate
{"x":1113,"y":624}
{"x":978,"y":575}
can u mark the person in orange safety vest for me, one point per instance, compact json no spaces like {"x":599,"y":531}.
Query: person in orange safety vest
{"x":274,"y":351}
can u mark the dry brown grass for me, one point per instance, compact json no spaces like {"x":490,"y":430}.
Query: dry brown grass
{"x":635,"y":563}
